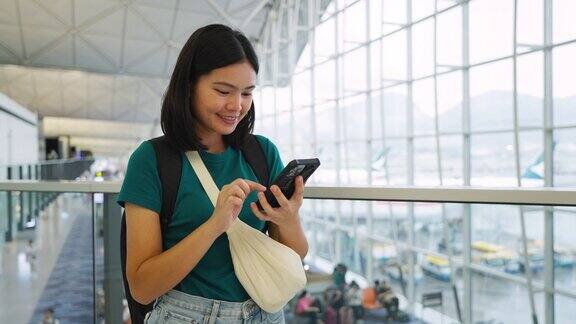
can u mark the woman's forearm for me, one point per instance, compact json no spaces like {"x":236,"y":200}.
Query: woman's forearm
{"x":293,"y":237}
{"x":159,"y":274}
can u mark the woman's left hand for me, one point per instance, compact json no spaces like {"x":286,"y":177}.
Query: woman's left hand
{"x":287,"y":213}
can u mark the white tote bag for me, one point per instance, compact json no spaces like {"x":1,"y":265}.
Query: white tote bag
{"x":271,"y":272}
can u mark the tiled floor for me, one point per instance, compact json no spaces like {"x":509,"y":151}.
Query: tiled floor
{"x":22,"y":287}
{"x":69,"y":290}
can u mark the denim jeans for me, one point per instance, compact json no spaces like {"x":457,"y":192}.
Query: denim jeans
{"x":178,"y":307}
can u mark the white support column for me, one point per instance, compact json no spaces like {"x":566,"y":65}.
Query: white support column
{"x":393,"y":221}
{"x":293,"y":42}
{"x":445,"y":223}
{"x":548,"y":120}
{"x":264,"y":76}
{"x":466,"y":173}
{"x":312,"y":21}
{"x":276,"y":30}
{"x":370,"y":220}
{"x":312,"y":17}
{"x":410,"y":159}
{"x":337,"y":112}
{"x":517,"y":164}
{"x":259,"y":119}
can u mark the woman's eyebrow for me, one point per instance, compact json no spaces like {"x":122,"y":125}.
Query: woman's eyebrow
{"x":233,"y":86}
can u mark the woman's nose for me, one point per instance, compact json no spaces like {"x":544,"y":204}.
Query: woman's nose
{"x":235,"y":102}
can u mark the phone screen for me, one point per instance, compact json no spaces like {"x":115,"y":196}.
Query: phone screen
{"x":286,"y":180}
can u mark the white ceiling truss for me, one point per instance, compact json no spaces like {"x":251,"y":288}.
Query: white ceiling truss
{"x":125,"y":51}
{"x":110,"y":60}
{"x":104,"y":60}
{"x":131,"y":37}
{"x":78,"y":94}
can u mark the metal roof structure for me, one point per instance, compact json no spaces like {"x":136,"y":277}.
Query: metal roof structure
{"x":104,"y":60}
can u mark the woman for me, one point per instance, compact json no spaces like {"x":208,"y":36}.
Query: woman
{"x":208,"y":107}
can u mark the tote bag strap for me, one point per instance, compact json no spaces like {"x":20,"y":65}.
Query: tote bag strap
{"x":203,"y":175}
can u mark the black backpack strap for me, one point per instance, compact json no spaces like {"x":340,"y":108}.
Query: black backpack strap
{"x":169,"y":166}
{"x":255,"y":156}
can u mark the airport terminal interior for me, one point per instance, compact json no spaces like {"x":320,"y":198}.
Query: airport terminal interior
{"x":446,"y":132}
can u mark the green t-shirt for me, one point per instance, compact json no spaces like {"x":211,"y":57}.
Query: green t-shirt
{"x":213,"y":277}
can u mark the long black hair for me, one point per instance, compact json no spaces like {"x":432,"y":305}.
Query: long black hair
{"x":209,"y":48}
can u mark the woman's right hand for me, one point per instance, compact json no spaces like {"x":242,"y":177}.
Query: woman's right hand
{"x":230,"y":201}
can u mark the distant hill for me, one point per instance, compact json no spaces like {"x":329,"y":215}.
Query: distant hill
{"x":492,"y":155}
{"x":489,"y":111}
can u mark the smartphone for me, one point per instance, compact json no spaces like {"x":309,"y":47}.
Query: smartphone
{"x":286,"y":179}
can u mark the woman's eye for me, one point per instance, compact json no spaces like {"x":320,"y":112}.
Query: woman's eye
{"x":249,"y":94}
{"x":222,"y":92}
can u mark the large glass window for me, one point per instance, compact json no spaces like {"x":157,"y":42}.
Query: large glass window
{"x":423,"y":55}
{"x":493,"y":159}
{"x":429,"y":92}
{"x":530,"y":89}
{"x":424,"y":102}
{"x":563,"y":85}
{"x":491,"y":29}
{"x":425,"y":162}
{"x":449,"y":38}
{"x":491,"y":97}
{"x":450,"y":102}
{"x":563,"y":21}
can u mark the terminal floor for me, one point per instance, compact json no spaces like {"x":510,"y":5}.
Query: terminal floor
{"x":70,"y":287}
{"x":26,"y":288}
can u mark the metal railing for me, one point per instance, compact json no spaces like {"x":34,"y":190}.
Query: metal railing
{"x":465,"y":195}
{"x":32,"y":203}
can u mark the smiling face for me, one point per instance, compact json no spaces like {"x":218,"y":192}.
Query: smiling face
{"x":222,"y":98}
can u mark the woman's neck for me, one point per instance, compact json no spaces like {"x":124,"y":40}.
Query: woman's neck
{"x":214,"y":144}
